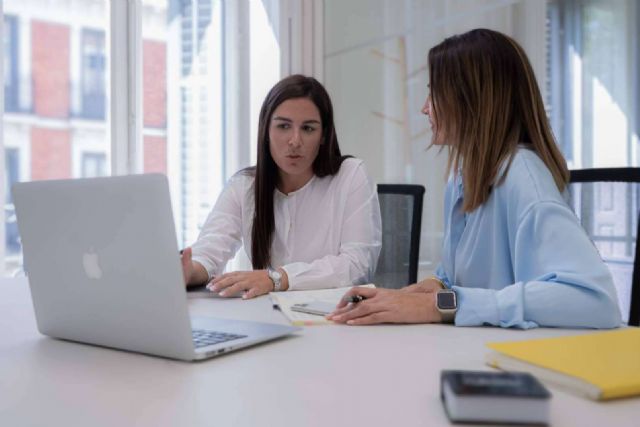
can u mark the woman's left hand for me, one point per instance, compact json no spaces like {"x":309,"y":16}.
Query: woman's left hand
{"x":386,"y":306}
{"x":251,"y":283}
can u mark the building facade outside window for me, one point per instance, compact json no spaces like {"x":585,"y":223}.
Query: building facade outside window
{"x":94,"y":165}
{"x":11,"y":42}
{"x":93,"y":74}
{"x":12,"y":169}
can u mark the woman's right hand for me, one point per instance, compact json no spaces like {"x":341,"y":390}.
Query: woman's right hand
{"x":187,"y":265}
{"x":192,"y":271}
{"x":386,"y":306}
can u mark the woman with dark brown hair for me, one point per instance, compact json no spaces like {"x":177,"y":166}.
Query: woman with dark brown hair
{"x":514,"y":254}
{"x":307,"y":215}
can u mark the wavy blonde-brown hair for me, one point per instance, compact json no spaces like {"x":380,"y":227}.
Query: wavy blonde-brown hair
{"x":485,"y":101}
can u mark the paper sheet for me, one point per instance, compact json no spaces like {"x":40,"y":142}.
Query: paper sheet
{"x":284,"y":300}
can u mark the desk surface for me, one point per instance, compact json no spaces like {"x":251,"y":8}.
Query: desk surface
{"x":324,"y":376}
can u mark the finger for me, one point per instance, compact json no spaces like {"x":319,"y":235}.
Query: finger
{"x":358,"y":290}
{"x":224,"y":276}
{"x":359,"y":310}
{"x":224,"y":281}
{"x":253,"y":292}
{"x":235,"y":289}
{"x":371,"y":319}
{"x":344,"y":301}
{"x":187,"y":267}
{"x":339,"y":311}
{"x":186,"y":255}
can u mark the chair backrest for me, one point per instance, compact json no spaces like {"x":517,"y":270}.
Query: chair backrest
{"x":401,"y":209}
{"x":607,"y":202}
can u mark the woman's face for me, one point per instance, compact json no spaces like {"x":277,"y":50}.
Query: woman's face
{"x":427,"y":110}
{"x":295,"y":135}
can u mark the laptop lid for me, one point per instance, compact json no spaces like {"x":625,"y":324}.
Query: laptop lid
{"x":101,"y":258}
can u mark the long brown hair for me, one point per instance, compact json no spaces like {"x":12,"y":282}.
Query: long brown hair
{"x":485,"y":102}
{"x":326,"y":163}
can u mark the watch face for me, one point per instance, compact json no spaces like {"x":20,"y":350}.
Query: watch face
{"x":275,"y":274}
{"x":446,"y":300}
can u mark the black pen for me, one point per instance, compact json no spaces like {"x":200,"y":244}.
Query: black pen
{"x":354,"y":299}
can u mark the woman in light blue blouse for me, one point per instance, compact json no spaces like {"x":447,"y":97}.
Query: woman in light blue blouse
{"x":514,"y":254}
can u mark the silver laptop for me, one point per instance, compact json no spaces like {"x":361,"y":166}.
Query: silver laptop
{"x":102,"y":260}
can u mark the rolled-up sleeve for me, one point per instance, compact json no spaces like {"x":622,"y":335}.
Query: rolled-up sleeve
{"x":360,"y":243}
{"x":560,"y":279}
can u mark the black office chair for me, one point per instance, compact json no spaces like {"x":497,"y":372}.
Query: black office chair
{"x":607,"y":202}
{"x":401,"y":209}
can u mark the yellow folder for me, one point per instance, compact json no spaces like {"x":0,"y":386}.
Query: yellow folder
{"x":599,"y":365}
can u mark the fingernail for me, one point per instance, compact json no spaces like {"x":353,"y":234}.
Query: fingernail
{"x":350,"y":322}
{"x":222,"y":293}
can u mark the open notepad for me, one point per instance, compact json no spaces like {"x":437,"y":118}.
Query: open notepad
{"x":284,"y":301}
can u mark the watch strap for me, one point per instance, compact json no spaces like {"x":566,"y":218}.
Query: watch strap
{"x":276,"y":278}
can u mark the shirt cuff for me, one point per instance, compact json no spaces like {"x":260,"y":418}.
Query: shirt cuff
{"x":301,"y":277}
{"x":291,"y":278}
{"x":206,"y":264}
{"x":505,"y":308}
{"x":476,"y":307}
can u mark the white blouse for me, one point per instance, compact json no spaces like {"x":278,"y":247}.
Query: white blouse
{"x":328,"y":234}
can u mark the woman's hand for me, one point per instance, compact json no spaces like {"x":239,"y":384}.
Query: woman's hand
{"x":386,"y":306}
{"x":252,"y":283}
{"x":187,"y":265}
{"x":427,"y":285}
{"x":192,"y":272}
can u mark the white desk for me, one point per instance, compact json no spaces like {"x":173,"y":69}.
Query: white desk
{"x":324,"y":376}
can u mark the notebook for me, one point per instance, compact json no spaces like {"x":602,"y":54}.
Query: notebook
{"x":494,"y":397}
{"x":598,"y":365}
{"x":102,"y":260}
{"x":285,"y":300}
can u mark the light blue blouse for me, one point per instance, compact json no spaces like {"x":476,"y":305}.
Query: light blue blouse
{"x":522,"y":259}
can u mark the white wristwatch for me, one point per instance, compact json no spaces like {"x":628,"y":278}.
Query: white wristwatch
{"x":276,"y":278}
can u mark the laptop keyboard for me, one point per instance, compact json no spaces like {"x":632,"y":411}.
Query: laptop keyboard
{"x":203,"y":338}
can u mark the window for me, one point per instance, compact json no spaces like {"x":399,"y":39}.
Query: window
{"x":93,"y":74}
{"x":201,"y":82}
{"x":94,"y":165}
{"x":594,"y":81}
{"x":594,"y":92}
{"x":201,"y":74}
{"x":12,"y":170}
{"x":55,"y":76}
{"x":10,"y":63}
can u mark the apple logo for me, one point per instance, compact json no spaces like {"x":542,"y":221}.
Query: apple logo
{"x":91,"y":266}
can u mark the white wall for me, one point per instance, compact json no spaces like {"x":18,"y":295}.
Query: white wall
{"x":375,"y":59}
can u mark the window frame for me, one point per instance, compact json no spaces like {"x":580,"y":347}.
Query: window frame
{"x":299,"y":34}
{"x":13,"y":95}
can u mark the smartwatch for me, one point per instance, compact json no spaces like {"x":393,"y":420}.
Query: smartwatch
{"x":276,"y":278}
{"x":447,"y":304}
